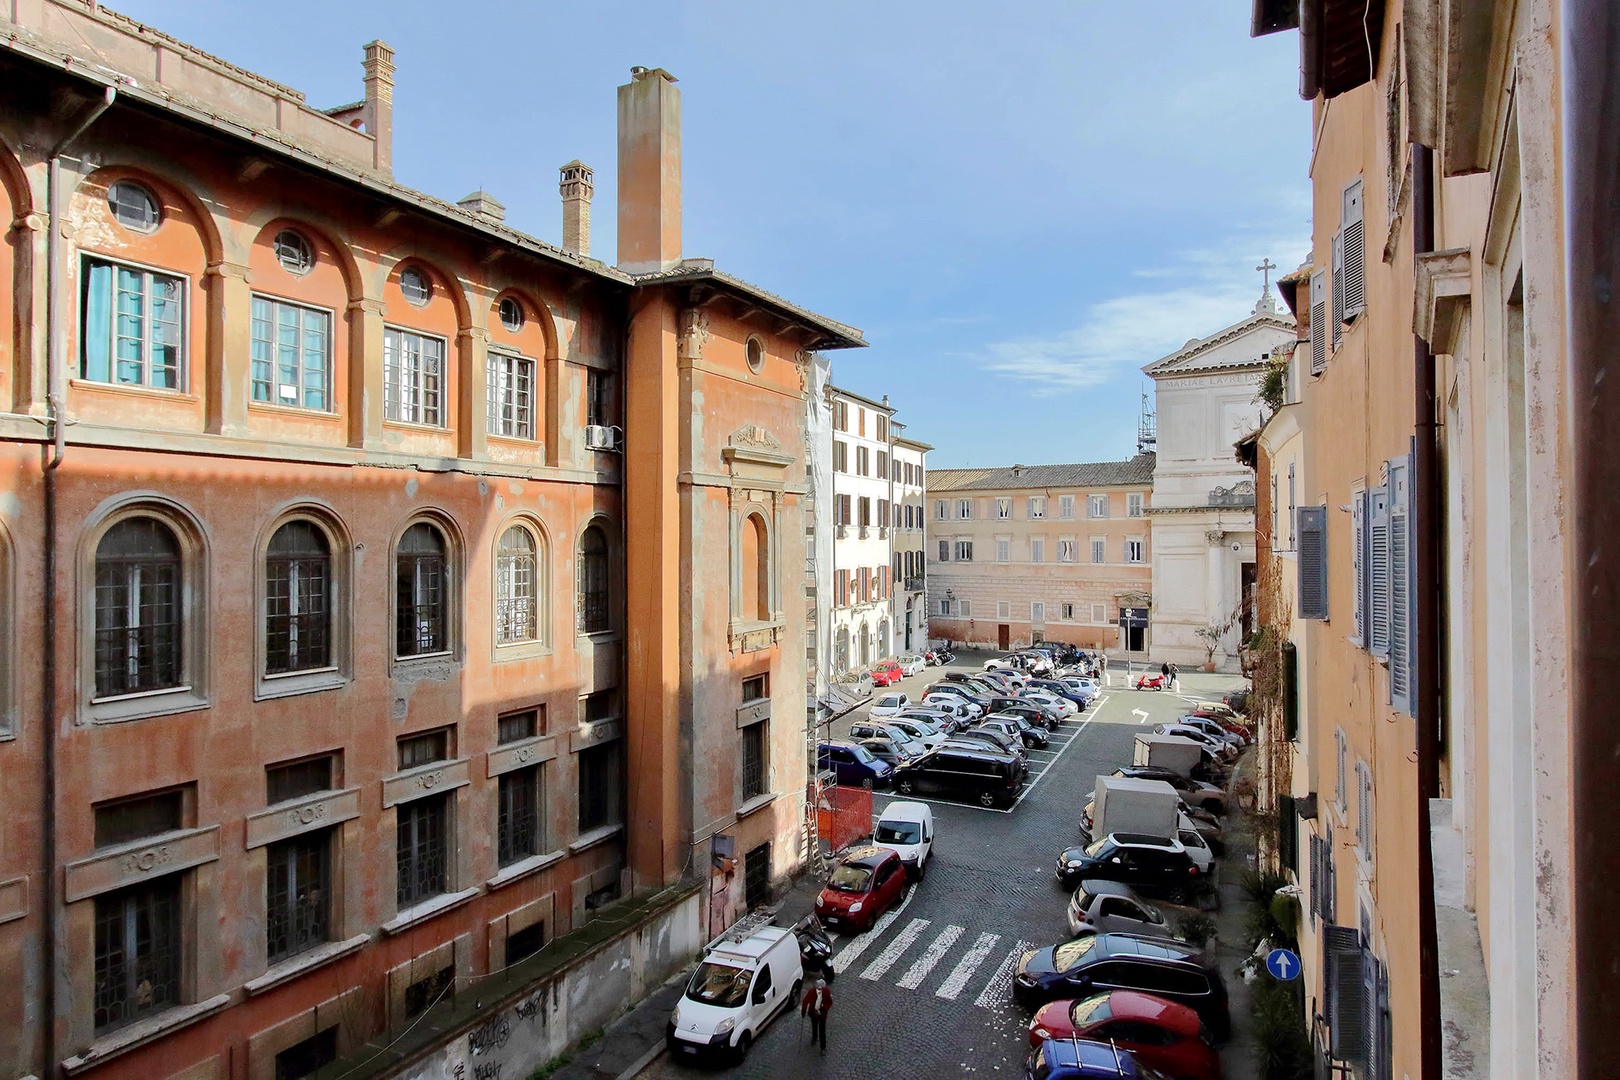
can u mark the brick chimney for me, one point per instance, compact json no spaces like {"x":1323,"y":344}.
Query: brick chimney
{"x":575,"y":182}
{"x":379,"y":107}
{"x":649,"y":171}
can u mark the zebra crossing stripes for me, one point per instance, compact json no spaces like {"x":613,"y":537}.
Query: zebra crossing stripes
{"x":931,"y":956}
{"x":852,"y":952}
{"x":999,"y":988}
{"x":957,"y":980}
{"x":887,"y":958}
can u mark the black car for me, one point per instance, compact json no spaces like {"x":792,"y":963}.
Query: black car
{"x":992,"y":740}
{"x":1194,"y":793}
{"x":1032,"y":711}
{"x":979,"y":775}
{"x":1097,"y":963}
{"x":1012,"y":725}
{"x":1153,"y":864}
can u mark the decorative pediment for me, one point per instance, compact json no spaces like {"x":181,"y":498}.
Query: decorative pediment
{"x":754,"y":437}
{"x":754,"y":445}
{"x":1135,"y":599}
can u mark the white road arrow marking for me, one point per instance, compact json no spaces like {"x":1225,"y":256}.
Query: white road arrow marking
{"x":1142,"y":713}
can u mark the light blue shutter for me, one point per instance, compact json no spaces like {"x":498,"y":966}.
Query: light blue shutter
{"x":1378,"y":571}
{"x":1358,"y":555}
{"x":1312,"y":539}
{"x":1400,"y":584}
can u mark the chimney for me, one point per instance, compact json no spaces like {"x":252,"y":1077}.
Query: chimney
{"x":379,"y":108}
{"x":649,"y":172}
{"x":484,"y":205}
{"x":575,"y":183}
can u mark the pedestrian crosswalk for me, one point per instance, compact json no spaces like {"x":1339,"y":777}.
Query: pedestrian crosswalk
{"x":961,"y":977}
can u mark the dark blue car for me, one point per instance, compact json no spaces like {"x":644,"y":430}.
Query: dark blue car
{"x":1052,"y":686}
{"x":853,"y":765}
{"x":1085,"y":1059}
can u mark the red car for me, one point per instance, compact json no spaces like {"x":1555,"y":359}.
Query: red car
{"x":1162,"y":1034}
{"x":1224,"y":720}
{"x":866,"y":882}
{"x":886,"y":673}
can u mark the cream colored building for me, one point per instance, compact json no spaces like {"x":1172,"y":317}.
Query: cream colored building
{"x":1042,"y":552}
{"x":909,"y":605}
{"x":860,"y":627}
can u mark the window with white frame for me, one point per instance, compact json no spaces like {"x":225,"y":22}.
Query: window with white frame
{"x":1133,"y":549}
{"x":1099,"y":614}
{"x":1097,"y":506}
{"x":944,"y":606}
{"x":1065,"y":506}
{"x":964,"y":609}
{"x":1037,"y":549}
{"x":1037,"y":612}
{"x":964,"y":509}
{"x":1099,"y":549}
{"x":1291,"y":506}
{"x":1037,"y":506}
{"x":291,"y":354}
{"x":1068,"y":612}
{"x":1364,"y":809}
{"x":1003,"y":548}
{"x":942,"y":510}
{"x":516,"y":587}
{"x":413,"y":377}
{"x":1133,"y":504}
{"x":1003,"y":609}
{"x":1067,"y":549}
{"x":964,"y":551}
{"x":1003,"y":509}
{"x":511,"y":396}
{"x":133,"y":327}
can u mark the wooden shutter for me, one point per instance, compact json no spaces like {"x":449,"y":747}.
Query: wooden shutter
{"x":1330,"y":871}
{"x":1337,"y":284}
{"x":1352,"y":253}
{"x":1313,"y":577}
{"x":1287,"y":833}
{"x":1316,"y":881}
{"x":1400,"y":585}
{"x":1318,"y":322}
{"x":1369,"y":999}
{"x":1346,"y":992}
{"x":1290,"y":689}
{"x":1378,"y":571}
{"x":1358,"y":547}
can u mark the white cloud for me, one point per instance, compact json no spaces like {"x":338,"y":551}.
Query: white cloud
{"x":1119,"y":335}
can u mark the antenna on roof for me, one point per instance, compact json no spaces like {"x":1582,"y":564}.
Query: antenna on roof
{"x":1147,"y":439}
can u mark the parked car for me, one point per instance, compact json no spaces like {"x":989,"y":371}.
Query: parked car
{"x":1061,"y":705}
{"x":853,"y":765}
{"x":1156,"y":864}
{"x":1198,"y":850}
{"x":1201,"y":822}
{"x":886,"y":673}
{"x":1218,"y":747}
{"x":1214,"y":729}
{"x":1033,"y":711}
{"x":971,"y":771}
{"x":735,"y":991}
{"x":1016,"y":727}
{"x":911,"y":665}
{"x":993,"y":742}
{"x":1195,"y":793}
{"x":923,"y":731}
{"x":1060,"y":688}
{"x":864,"y":883}
{"x":954,"y":704}
{"x":1159,"y":1032}
{"x":1088,"y":688}
{"x":1099,"y":963}
{"x":893,"y":752}
{"x":1085,"y":1059}
{"x":907,"y":829}
{"x":955,"y":690}
{"x":891,"y":704}
{"x":947,"y":722}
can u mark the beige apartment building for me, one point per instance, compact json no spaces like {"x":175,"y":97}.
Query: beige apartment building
{"x":1042,"y":553}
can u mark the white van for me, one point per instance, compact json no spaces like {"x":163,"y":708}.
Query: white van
{"x":738,"y":986}
{"x":907,"y":829}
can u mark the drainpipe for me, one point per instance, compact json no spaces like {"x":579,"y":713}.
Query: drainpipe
{"x":55,"y":367}
{"x":1586,"y":185}
{"x":1427,"y":520}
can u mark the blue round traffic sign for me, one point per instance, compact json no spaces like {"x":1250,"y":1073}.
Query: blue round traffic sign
{"x":1283,"y":964}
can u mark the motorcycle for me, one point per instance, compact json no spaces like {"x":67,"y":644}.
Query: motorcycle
{"x":1152,"y":682}
{"x":815,"y":949}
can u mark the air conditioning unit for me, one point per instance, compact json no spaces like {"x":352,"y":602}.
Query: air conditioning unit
{"x":600,"y":437}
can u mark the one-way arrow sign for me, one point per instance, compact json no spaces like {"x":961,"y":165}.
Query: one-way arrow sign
{"x":1283,"y":964}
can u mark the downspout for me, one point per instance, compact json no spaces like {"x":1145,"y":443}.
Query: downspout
{"x":55,"y":366}
{"x":1427,"y":517}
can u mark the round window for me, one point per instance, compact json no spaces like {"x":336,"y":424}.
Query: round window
{"x":133,"y":206}
{"x":511,"y":314}
{"x":755,"y":350}
{"x":293,"y":252}
{"x":415,"y":285}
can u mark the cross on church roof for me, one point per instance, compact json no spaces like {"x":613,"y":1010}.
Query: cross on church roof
{"x":1265,"y":268}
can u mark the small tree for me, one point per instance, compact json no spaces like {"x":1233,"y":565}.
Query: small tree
{"x":1212,"y":634}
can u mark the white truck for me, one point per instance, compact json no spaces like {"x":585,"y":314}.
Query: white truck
{"x":1168,"y":752}
{"x":1125,"y":804}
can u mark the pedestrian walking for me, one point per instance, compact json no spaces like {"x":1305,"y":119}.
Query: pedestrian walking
{"x":1164,"y":669}
{"x":816,"y":1005}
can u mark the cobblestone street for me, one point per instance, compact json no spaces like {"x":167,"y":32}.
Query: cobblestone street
{"x":928,"y":989}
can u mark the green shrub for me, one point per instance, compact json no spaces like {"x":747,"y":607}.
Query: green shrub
{"x":1259,"y":889}
{"x":1197,"y":929}
{"x":1282,"y":1048}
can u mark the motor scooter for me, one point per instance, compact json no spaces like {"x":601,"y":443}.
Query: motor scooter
{"x":1152,"y":682}
{"x":815,"y":948}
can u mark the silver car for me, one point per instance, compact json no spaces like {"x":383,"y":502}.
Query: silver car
{"x":1107,"y":907}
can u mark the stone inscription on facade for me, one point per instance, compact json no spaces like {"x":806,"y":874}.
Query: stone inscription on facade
{"x":518,"y":755}
{"x":319,"y":812}
{"x":446,"y":776}
{"x":134,"y":863}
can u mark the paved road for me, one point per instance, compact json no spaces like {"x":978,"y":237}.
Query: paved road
{"x":926,"y":992}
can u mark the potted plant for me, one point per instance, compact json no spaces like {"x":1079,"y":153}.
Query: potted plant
{"x":1211,"y":636}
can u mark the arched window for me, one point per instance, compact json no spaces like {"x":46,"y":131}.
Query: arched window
{"x":516,"y":588}
{"x":755,"y":566}
{"x":421,"y":592}
{"x":298,"y":594}
{"x":138,"y":608}
{"x":593,"y":581}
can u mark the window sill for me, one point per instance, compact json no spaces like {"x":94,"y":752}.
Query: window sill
{"x":427,"y":909}
{"x":522,"y":869}
{"x":758,"y":802}
{"x":600,"y":636}
{"x":270,"y":408}
{"x":418,"y":426}
{"x":523,"y":442}
{"x":135,"y":389}
{"x":112,"y":710}
{"x":520,"y":650}
{"x":589,"y":840}
{"x":142,"y":1032}
{"x":293,"y":683}
{"x":294,"y":966}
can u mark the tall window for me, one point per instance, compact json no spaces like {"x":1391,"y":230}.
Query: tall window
{"x":518,"y":825}
{"x":297,"y":601}
{"x":964,"y":551}
{"x":882,"y":428}
{"x":840,"y":456}
{"x":516,"y":593}
{"x":1133,"y":504}
{"x":291,"y":354}
{"x":964,"y":509}
{"x":593,"y":581}
{"x":1065,"y":506}
{"x":138,"y":607}
{"x":138,"y":949}
{"x":413,"y":377}
{"x":298,"y":887}
{"x":1037,"y":549}
{"x":1003,"y":509}
{"x":1097,"y":506}
{"x":944,"y":551}
{"x":755,"y":569}
{"x":511,"y":396}
{"x":132,"y":327}
{"x":422,"y":863}
{"x":599,"y":404}
{"x":882,"y":462}
{"x":599,"y":784}
{"x":1003,"y":549}
{"x":1133,"y":550}
{"x":1037,"y":506}
{"x":1099,"y":549}
{"x":863,"y":460}
{"x":1066,"y":551}
{"x":421,"y":592}
{"x":754,"y":746}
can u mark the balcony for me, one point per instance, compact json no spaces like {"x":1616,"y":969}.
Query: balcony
{"x":915,"y":584}
{"x":843,"y":531}
{"x":866,"y":530}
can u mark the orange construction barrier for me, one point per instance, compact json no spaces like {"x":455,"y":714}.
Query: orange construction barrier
{"x":843,"y":815}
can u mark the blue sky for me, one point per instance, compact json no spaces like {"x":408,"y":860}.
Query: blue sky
{"x":1020,"y":204}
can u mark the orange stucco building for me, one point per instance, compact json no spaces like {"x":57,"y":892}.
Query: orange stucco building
{"x":395,"y":639}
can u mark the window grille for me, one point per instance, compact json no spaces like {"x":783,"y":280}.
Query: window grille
{"x":133,"y":322}
{"x":296,"y":779}
{"x":421,"y":592}
{"x":291,"y":354}
{"x":135,"y":819}
{"x":599,"y":786}
{"x":415,"y":285}
{"x":516,"y":610}
{"x":133,"y":206}
{"x":413,"y":374}
{"x":599,"y":403}
{"x":138,"y":953}
{"x":511,"y":396}
{"x":519,"y":725}
{"x":421,"y":857}
{"x":298,"y":887}
{"x":138,"y":613}
{"x":518,"y":827}
{"x":293,"y":252}
{"x":753,"y":763}
{"x":298,"y":577}
{"x":593,"y":581}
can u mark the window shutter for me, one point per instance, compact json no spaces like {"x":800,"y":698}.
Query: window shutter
{"x":1287,"y":833}
{"x":1316,"y":876}
{"x":1346,"y":992}
{"x":1330,"y":878}
{"x":1337,"y":284}
{"x":1313,"y":579}
{"x":1290,"y":689}
{"x":1358,"y":517}
{"x":1318,"y":322}
{"x":1369,"y":998}
{"x":1400,"y":585}
{"x":1352,"y":254}
{"x":1378,"y":571}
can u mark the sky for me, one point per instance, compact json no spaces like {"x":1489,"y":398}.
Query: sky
{"x":1019,"y":204}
